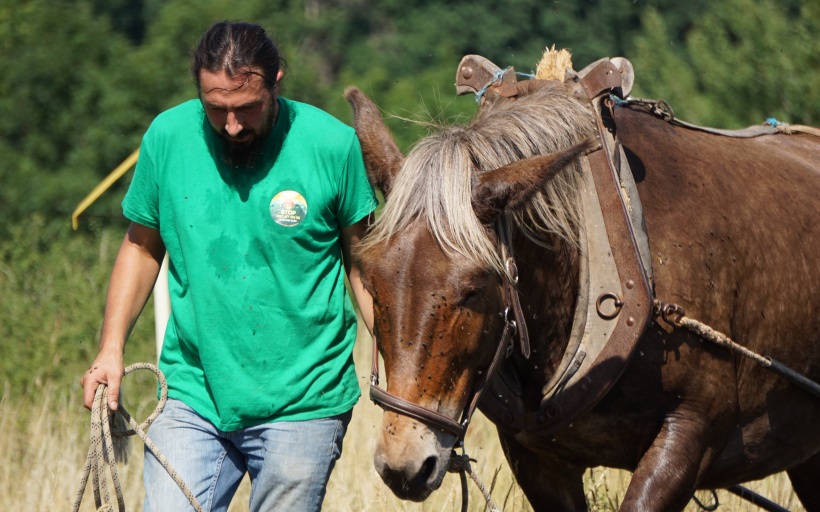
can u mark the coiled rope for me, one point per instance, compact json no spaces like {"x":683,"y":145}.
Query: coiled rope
{"x":101,"y":450}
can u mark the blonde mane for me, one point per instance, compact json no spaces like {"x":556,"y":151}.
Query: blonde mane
{"x":435,"y":182}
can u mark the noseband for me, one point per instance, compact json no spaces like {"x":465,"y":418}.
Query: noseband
{"x":458,"y":428}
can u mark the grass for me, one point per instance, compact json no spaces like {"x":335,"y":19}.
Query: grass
{"x":43,"y":447}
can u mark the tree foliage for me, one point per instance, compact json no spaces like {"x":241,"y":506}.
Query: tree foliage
{"x":82,"y":80}
{"x":741,"y":61}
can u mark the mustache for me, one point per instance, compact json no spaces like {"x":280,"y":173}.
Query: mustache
{"x":225,"y":135}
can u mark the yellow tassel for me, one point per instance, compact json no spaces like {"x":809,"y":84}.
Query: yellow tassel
{"x":553,"y":64}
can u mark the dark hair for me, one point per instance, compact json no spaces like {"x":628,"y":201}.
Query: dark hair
{"x":232,"y":46}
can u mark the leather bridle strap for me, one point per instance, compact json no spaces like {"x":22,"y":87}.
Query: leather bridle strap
{"x":510,"y":283}
{"x":433,"y":418}
{"x":428,"y":416}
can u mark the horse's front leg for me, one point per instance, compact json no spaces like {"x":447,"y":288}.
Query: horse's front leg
{"x":550,"y":486}
{"x":667,"y":474}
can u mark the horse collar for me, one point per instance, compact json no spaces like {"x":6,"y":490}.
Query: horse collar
{"x":614,"y":302}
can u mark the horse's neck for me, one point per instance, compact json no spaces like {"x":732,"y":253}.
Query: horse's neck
{"x":548,"y":287}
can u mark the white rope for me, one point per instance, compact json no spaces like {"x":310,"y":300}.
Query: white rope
{"x":676,"y":316}
{"x":718,"y":338}
{"x":101,"y":448}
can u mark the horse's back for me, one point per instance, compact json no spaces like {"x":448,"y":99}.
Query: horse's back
{"x":734,"y":229}
{"x":740,"y":213}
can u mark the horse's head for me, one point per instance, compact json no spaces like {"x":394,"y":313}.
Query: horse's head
{"x":432,"y":266}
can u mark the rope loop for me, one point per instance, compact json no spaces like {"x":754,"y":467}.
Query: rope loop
{"x":160,"y":405}
{"x":101,"y":449}
{"x":663,"y":110}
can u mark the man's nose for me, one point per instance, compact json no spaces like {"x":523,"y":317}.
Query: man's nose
{"x":233,"y":125}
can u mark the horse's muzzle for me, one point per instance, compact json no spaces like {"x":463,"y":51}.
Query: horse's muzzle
{"x":414,"y":481}
{"x":411,"y":458}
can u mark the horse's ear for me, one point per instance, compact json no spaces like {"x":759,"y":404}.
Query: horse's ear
{"x":382,"y":157}
{"x":512,"y":186}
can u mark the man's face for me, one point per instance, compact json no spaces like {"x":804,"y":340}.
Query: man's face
{"x":242,"y":111}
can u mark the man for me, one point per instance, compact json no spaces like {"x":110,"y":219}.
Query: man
{"x":257,"y":200}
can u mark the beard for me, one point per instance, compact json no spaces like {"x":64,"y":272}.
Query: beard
{"x":244,"y":156}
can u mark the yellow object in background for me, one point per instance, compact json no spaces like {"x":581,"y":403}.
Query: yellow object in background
{"x":103,"y":186}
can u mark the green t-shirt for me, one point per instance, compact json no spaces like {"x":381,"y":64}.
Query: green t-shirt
{"x":261,"y":328}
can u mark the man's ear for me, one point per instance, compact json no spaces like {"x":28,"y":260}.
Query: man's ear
{"x":512,"y":186}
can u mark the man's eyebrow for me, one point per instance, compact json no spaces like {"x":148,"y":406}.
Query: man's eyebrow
{"x":253,"y":103}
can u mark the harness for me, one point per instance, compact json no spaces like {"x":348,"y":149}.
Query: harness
{"x":616,"y":262}
{"x":614,"y":273}
{"x":615,"y":296}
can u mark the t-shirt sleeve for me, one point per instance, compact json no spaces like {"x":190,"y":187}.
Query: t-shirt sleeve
{"x":141,"y":203}
{"x":356,"y":196}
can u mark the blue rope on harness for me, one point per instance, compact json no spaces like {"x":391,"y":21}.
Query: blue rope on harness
{"x":620,"y":102}
{"x":496,"y":77}
{"x":499,"y":75}
{"x":772,"y":122}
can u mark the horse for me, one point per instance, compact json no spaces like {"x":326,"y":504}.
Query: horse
{"x":733,"y":229}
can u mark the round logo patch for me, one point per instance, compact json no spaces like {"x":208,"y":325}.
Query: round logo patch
{"x":288,"y":208}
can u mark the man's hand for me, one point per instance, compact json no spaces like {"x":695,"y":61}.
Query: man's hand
{"x":106,"y":369}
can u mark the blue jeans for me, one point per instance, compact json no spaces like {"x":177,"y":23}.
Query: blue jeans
{"x":289,"y":462}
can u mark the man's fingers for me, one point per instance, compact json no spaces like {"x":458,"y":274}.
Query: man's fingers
{"x":89,"y":389}
{"x":113,"y":393}
{"x":92,"y":380}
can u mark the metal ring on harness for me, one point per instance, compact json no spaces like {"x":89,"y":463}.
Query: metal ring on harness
{"x":673,"y":314}
{"x":609,"y":296}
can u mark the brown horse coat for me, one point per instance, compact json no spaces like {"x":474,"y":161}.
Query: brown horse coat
{"x":734,"y":232}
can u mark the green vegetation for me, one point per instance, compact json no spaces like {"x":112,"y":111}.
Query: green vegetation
{"x":82,"y":80}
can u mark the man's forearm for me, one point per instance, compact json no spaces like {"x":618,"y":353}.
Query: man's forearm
{"x":352,"y":235}
{"x":135,"y":272}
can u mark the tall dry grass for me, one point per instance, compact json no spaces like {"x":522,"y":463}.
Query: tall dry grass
{"x":43,"y":447}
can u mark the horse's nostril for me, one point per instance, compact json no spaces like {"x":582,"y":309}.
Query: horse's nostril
{"x":427,"y":469}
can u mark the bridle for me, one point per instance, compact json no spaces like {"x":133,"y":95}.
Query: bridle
{"x":458,"y":428}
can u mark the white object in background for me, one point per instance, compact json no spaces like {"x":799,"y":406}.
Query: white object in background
{"x":162,"y":304}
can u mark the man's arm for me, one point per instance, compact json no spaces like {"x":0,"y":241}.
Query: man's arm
{"x":135,"y":272}
{"x":351,"y":235}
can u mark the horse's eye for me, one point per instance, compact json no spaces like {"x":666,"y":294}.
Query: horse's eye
{"x":469,"y":297}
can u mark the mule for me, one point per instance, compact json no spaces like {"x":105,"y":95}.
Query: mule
{"x":734,"y":234}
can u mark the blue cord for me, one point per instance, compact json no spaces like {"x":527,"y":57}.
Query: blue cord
{"x":618,"y":101}
{"x":497,"y":77}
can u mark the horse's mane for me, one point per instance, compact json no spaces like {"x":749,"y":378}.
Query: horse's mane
{"x":435,"y":182}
